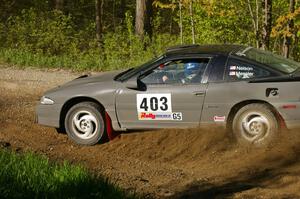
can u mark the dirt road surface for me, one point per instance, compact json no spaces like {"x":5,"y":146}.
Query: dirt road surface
{"x":192,"y":163}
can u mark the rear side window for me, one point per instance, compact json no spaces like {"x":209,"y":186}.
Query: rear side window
{"x":238,"y":70}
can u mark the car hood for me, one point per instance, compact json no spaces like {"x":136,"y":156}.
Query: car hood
{"x":86,"y":79}
{"x":104,"y":77}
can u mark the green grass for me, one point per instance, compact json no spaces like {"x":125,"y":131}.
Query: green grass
{"x":116,"y":54}
{"x":33,"y":176}
{"x":84,"y":61}
{"x":23,"y":58}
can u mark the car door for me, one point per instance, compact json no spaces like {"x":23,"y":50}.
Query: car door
{"x":170,"y":98}
{"x":233,"y":87}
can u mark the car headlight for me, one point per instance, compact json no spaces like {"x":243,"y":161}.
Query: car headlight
{"x":46,"y":101}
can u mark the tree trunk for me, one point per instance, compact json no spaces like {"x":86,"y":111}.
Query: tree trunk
{"x":59,"y":5}
{"x":255,"y":21}
{"x":144,"y":12}
{"x":121,"y":13}
{"x":114,"y":13}
{"x":257,"y":33}
{"x":148,"y":17}
{"x":267,"y":23}
{"x":171,"y":22}
{"x":140,"y":18}
{"x":99,"y":25}
{"x":287,"y":39}
{"x":180,"y":22}
{"x":192,"y":22}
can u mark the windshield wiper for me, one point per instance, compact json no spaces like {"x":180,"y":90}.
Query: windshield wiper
{"x":296,"y":71}
{"x":118,"y":77}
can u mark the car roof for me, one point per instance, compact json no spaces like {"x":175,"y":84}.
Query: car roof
{"x":224,"y":49}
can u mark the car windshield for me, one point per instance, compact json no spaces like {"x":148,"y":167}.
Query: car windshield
{"x":133,"y":71}
{"x":276,"y":62}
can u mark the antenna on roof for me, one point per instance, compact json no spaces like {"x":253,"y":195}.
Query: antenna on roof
{"x":180,"y":47}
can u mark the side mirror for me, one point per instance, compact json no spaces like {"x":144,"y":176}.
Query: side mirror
{"x":135,"y":84}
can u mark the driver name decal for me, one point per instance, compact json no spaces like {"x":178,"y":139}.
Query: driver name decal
{"x":241,"y":72}
{"x":156,"y":107}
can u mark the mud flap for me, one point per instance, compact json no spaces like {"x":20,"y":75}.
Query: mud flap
{"x":111,"y":134}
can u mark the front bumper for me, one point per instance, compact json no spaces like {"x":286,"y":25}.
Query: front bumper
{"x":48,"y":115}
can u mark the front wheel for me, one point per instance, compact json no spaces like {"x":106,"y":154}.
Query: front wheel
{"x":85,"y":124}
{"x":255,"y":124}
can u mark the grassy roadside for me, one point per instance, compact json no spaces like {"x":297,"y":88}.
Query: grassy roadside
{"x":22,"y":59}
{"x":87,"y":61}
{"x":32,"y":176}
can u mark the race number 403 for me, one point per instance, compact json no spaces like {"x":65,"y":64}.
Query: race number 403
{"x":159,"y":103}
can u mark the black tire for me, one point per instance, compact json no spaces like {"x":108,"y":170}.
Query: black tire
{"x":84,"y":123}
{"x":255,"y":124}
{"x":61,"y":130}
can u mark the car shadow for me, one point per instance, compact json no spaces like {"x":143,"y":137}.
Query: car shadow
{"x":207,"y":190}
{"x":241,"y":182}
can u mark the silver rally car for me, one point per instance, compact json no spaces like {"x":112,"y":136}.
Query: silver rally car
{"x":252,"y":93}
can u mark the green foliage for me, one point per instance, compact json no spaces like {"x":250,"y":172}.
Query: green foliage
{"x":33,"y":34}
{"x":50,"y":40}
{"x":50,"y":32}
{"x":32,"y":176}
{"x":2,"y":33}
{"x":218,"y":22}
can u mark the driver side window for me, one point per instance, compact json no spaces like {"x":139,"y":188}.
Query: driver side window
{"x":182,"y":71}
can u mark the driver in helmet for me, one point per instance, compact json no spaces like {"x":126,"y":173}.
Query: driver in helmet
{"x":191,"y":71}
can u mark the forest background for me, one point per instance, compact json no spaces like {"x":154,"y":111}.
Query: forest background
{"x":115,"y":34}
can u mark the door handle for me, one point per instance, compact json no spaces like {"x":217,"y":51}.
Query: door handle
{"x":199,"y":93}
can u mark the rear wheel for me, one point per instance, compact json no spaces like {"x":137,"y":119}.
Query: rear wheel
{"x":255,"y":124}
{"x":85,"y":124}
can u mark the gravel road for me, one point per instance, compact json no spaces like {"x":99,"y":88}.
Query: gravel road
{"x":191,"y":163}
